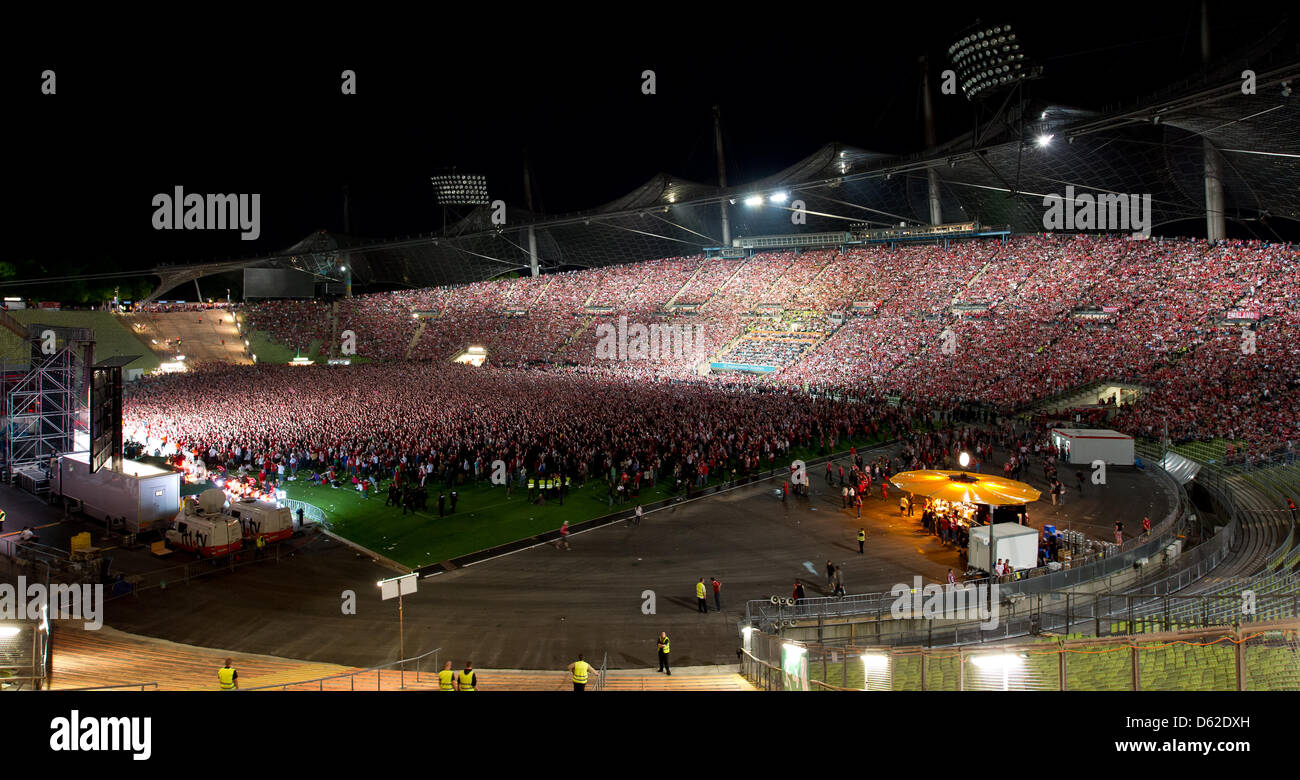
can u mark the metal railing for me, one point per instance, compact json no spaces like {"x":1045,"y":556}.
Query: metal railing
{"x":142,"y":686}
{"x":351,"y":677}
{"x":600,"y":678}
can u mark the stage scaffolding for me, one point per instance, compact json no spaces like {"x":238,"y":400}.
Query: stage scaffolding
{"x":45,"y":399}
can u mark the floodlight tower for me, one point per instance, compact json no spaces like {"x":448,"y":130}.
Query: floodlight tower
{"x":459,"y":189}
{"x":990,"y":60}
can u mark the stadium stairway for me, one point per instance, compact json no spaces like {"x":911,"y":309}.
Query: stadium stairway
{"x":685,"y":285}
{"x":107,"y":657}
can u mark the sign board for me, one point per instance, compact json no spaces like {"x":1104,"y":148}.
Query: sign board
{"x":398,"y":586}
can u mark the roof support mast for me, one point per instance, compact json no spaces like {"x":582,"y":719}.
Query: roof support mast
{"x":932,"y":176}
{"x":722,"y":173}
{"x":1215,"y":225}
{"x":532,"y":234}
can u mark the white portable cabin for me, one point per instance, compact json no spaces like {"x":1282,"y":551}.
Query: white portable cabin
{"x":1016,"y":542}
{"x":147,"y":496}
{"x":1086,"y":445}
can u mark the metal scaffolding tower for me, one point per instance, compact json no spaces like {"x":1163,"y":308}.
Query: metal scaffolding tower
{"x":44,"y":407}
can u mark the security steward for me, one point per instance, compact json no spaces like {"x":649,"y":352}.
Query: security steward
{"x":228,"y":677}
{"x":862,"y":539}
{"x":663,"y":653}
{"x":581,"y":670}
{"x":532,"y":485}
{"x":447,"y":678}
{"x":467,"y":680}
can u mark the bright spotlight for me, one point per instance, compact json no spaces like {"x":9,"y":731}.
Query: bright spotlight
{"x":343,"y":268}
{"x":964,"y":459}
{"x":754,"y":200}
{"x":1043,"y":140}
{"x":875,"y":662}
{"x":997,"y":663}
{"x":778,"y":197}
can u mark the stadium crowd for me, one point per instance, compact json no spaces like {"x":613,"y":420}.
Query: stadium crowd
{"x":992,"y":323}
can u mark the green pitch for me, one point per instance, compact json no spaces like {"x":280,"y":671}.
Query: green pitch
{"x":484,"y":516}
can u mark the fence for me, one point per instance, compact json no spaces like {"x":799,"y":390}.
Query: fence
{"x":1263,"y":656}
{"x":185,"y":572}
{"x":335,"y":681}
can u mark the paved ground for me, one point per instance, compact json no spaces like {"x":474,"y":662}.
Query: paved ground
{"x":537,"y":608}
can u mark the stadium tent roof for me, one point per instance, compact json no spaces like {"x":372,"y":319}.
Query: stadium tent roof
{"x":999,"y":179}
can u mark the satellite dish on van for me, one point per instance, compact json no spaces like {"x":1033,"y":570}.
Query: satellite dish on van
{"x":212,"y":500}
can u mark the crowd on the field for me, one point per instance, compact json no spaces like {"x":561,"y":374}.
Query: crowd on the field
{"x":450,"y":422}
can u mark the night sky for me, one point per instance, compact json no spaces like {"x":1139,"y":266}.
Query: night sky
{"x":140,"y":113}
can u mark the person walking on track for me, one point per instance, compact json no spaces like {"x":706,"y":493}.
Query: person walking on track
{"x":702,"y":602}
{"x":717,"y":594}
{"x":663,"y":653}
{"x":862,"y":540}
{"x":563,"y":543}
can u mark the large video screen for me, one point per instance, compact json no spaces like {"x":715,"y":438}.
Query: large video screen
{"x":278,"y":283}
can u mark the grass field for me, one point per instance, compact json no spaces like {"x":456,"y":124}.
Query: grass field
{"x":484,"y":516}
{"x":112,"y":338}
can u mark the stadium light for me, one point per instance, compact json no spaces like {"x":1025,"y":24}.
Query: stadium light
{"x":1043,"y":140}
{"x":875,"y":661}
{"x":754,"y":200}
{"x":460,"y":189}
{"x":778,"y":197}
{"x":990,"y":59}
{"x":997,"y":663}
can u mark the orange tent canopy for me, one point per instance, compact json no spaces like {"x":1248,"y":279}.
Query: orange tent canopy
{"x":966,"y":488}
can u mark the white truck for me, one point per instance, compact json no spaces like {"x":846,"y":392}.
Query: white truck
{"x":262,"y":518}
{"x":203,"y":528}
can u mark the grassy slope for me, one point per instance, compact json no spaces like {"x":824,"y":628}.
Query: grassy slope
{"x":484,"y":517}
{"x":112,"y":337}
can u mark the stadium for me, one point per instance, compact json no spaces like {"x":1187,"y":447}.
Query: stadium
{"x":1016,"y":409}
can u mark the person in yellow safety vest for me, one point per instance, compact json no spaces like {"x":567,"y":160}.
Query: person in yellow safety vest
{"x":531,"y":485}
{"x":260,"y":544}
{"x":447,"y":678}
{"x":699,"y":596}
{"x":228,"y":677}
{"x":467,"y":680}
{"x":862,"y":539}
{"x":663,"y":653}
{"x":580,"y":670}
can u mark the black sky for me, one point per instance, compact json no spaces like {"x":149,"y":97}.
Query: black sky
{"x":138,"y":112}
